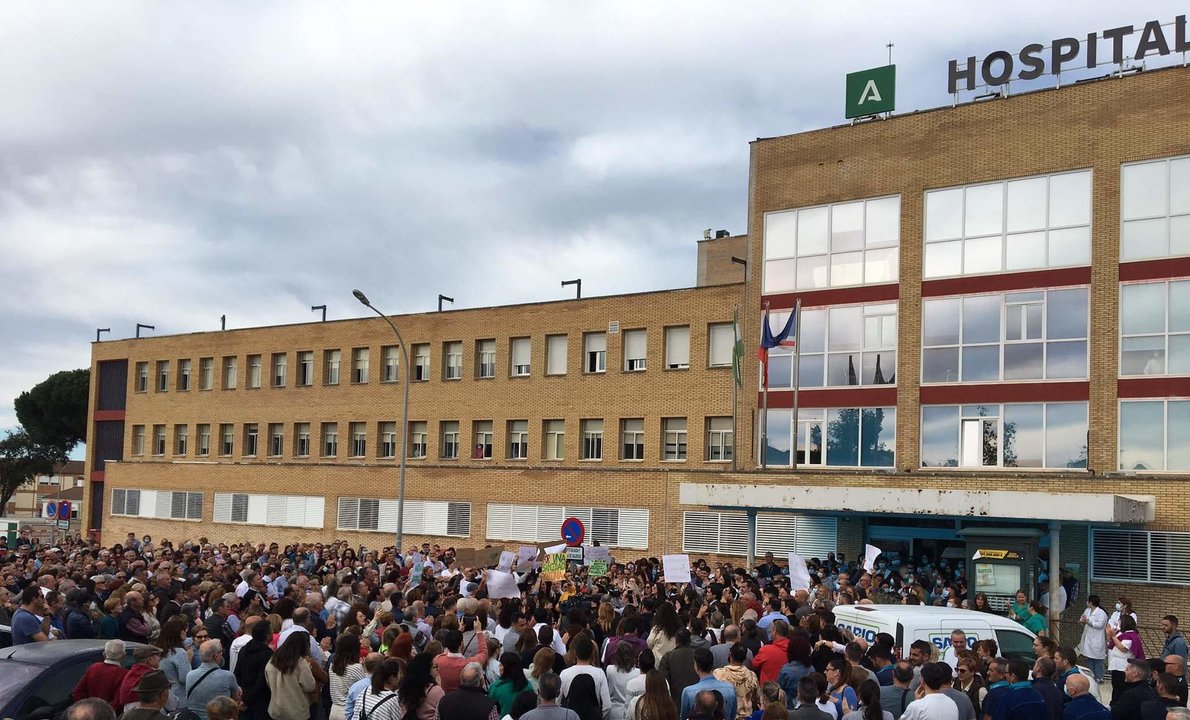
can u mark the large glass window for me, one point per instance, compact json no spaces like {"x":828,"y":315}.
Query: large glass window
{"x":854,"y":243}
{"x":1155,"y":328}
{"x":1033,"y":335}
{"x":1155,"y":209}
{"x":1152,"y":435}
{"x":841,"y":346}
{"x":838,"y":437}
{"x":1023,"y":224}
{"x":1017,"y":435}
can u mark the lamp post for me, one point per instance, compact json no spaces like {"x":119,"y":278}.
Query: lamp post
{"x":404,"y":419}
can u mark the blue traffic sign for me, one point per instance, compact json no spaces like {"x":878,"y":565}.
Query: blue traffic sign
{"x":573,"y":531}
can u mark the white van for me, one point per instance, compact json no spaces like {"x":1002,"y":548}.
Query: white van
{"x":910,"y":623}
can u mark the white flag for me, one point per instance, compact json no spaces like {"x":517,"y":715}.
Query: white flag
{"x":799,"y":574}
{"x":871,"y":552}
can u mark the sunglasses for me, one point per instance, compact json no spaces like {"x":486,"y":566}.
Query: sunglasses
{"x":201,"y":637}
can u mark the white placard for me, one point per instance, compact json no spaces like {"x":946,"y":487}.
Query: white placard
{"x":799,"y":574}
{"x":871,"y":552}
{"x":526,"y":554}
{"x":502,"y":585}
{"x":506,"y":558}
{"x":598,"y":553}
{"x":676,"y":568}
{"x":555,"y":549}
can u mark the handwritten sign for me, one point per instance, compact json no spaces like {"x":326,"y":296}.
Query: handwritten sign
{"x":598,"y":554}
{"x":554,"y":568}
{"x":597,"y":568}
{"x":676,"y":568}
{"x":574,"y":553}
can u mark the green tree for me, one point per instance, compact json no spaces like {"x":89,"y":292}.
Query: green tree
{"x":54,"y":411}
{"x":21,"y":459}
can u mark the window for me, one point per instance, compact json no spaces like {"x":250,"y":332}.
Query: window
{"x":301,"y":439}
{"x":720,"y":342}
{"x":1140,"y":556}
{"x":1023,"y":224}
{"x":555,"y":354}
{"x":673,"y":436}
{"x":181,"y":439}
{"x":330,"y":367}
{"x":276,"y":439}
{"x":158,"y":439}
{"x":592,"y":440}
{"x":841,"y":347}
{"x":280,"y":361}
{"x":520,"y":350}
{"x":227,"y":439}
{"x":251,"y":439}
{"x":330,"y":439}
{"x":610,"y":527}
{"x":142,"y":377}
{"x":166,"y":505}
{"x":417,"y":439}
{"x":229,"y":373}
{"x":595,"y":352}
{"x":481,"y":446}
{"x":390,"y":359}
{"x":485,"y":360}
{"x":183,"y":375}
{"x":1155,"y":328}
{"x":450,"y":439}
{"x":422,"y":517}
{"x":677,"y":347}
{"x":853,"y":243}
{"x":555,"y":439}
{"x":162,"y":376}
{"x":421,"y":362}
{"x":1155,"y":209}
{"x":452,"y":361}
{"x":388,"y":439}
{"x":632,"y":439}
{"x":359,"y":439}
{"x":305,"y":368}
{"x":1152,"y":435}
{"x":720,"y":439}
{"x":726,"y":533}
{"x":204,"y":440}
{"x":1017,"y":435}
{"x":635,"y":350}
{"x":518,"y":439}
{"x":1034,"y":335}
{"x":359,"y":366}
{"x":254,"y":370}
{"x":274,"y":510}
{"x":206,"y":373}
{"x":138,"y":439}
{"x":125,"y":502}
{"x":838,"y":437}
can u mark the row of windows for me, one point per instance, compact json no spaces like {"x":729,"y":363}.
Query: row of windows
{"x":221,"y":440}
{"x":1004,"y":226}
{"x":610,"y":527}
{"x":720,"y":340}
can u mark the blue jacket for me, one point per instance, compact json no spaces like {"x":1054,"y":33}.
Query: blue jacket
{"x":1021,"y":702}
{"x":1085,"y":707}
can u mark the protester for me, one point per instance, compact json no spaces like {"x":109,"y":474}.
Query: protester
{"x":102,"y":680}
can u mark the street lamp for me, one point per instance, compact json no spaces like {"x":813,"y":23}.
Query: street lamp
{"x":404,"y":418}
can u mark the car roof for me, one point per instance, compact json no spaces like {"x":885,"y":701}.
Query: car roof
{"x":893,"y":610}
{"x":50,"y":653}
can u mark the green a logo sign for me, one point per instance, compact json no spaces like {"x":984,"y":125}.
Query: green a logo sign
{"x":871,"y":91}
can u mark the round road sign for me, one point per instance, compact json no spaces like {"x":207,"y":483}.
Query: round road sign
{"x":573,"y":531}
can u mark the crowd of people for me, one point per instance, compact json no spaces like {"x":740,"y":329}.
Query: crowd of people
{"x":325,"y":631}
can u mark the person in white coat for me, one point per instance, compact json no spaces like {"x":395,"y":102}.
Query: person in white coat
{"x":1093,"y":645}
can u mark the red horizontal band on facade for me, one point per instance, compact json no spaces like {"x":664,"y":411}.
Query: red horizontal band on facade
{"x":96,"y":476}
{"x":848,"y":397}
{"x":834,"y":296}
{"x":1005,"y":392}
{"x":1155,"y":269}
{"x":1153,"y":387}
{"x":1006,"y":281}
{"x":104,"y":415}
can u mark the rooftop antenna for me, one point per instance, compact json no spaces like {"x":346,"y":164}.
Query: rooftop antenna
{"x":578,"y":287}
{"x":890,"y":47}
{"x":101,"y":330}
{"x":319,"y":307}
{"x":139,"y":326}
{"x":442,"y":298}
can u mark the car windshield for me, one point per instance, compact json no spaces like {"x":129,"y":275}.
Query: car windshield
{"x":14,"y":676}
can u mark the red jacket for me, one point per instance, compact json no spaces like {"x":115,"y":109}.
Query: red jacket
{"x":102,"y":680}
{"x":769,"y":660}
{"x":125,"y":694}
{"x":450,"y":666}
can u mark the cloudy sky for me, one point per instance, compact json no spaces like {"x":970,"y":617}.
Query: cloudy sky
{"x":168,"y":163}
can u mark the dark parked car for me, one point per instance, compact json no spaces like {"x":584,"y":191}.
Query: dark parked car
{"x":36,"y":679}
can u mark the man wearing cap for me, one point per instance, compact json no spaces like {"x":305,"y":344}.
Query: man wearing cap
{"x":102,"y":679}
{"x":148,"y":659}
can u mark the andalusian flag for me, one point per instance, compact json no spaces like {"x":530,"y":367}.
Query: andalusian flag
{"x":737,"y":350}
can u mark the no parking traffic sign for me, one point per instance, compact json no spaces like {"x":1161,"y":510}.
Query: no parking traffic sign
{"x":573,"y":531}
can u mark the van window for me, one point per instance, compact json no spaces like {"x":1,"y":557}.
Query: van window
{"x":1014,"y":645}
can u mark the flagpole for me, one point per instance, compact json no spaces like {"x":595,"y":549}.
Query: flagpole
{"x":764,"y":413}
{"x":797,"y":366}
{"x":736,"y":361}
